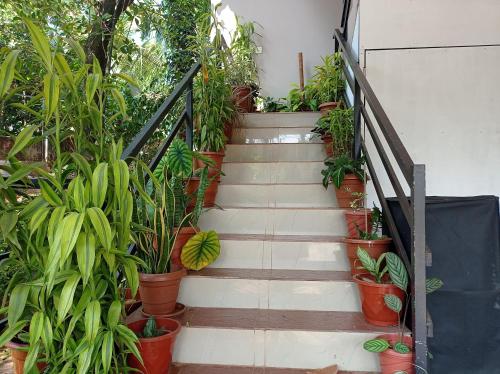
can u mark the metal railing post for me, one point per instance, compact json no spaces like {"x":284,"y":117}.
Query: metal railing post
{"x":357,"y":120}
{"x":419,"y":296}
{"x":189,"y":115}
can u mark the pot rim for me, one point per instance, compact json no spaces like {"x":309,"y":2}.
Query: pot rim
{"x":357,"y":279}
{"x":218,"y":153}
{"x":13,"y":345}
{"x":146,"y":277}
{"x":329,"y":103}
{"x":385,"y":240}
{"x":358,"y":212}
{"x":352,"y":176}
{"x":161,"y":337}
{"x":186,"y":229}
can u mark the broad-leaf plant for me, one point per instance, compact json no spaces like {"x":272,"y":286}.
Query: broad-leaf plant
{"x":71,"y":239}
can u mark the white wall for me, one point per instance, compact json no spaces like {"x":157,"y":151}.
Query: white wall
{"x":289,"y":27}
{"x":441,"y":97}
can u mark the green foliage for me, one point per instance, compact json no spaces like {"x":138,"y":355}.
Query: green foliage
{"x":150,"y":330}
{"x":71,"y":241}
{"x":376,"y":268}
{"x":201,"y":250}
{"x":340,"y":125}
{"x":397,"y":271}
{"x":329,"y":79}
{"x":337,"y":168}
{"x":242,"y":69}
{"x":376,"y":345}
{"x":376,"y":226}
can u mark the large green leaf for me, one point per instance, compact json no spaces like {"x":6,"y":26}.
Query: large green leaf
{"x":71,"y":227}
{"x":100,"y":184}
{"x":393,"y":302}
{"x":91,"y":85}
{"x":367,"y":262}
{"x":433,"y":284}
{"x":47,"y":334}
{"x":8,"y":221}
{"x":41,"y":43}
{"x":51,"y":94}
{"x":85,"y":254}
{"x":17,"y":302}
{"x":131,"y":274}
{"x":101,"y":226}
{"x":66,"y":298}
{"x":22,"y":140}
{"x":114,"y":313}
{"x":107,"y":350}
{"x":179,"y":159}
{"x":38,"y":218}
{"x":201,"y":250}
{"x":121,"y":177}
{"x":11,"y":332}
{"x":84,"y":360}
{"x":49,"y":194}
{"x":31,"y":358}
{"x":92,"y":320}
{"x":397,"y":271}
{"x":36,"y":327}
{"x":7,"y":71}
{"x":376,"y":345}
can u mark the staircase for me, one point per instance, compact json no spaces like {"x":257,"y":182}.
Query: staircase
{"x":280,"y":298}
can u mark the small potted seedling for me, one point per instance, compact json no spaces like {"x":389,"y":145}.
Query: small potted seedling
{"x":396,"y":350}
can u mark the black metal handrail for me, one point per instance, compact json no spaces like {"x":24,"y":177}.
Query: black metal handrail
{"x":413,"y":207}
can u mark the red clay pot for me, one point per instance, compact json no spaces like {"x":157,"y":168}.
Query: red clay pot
{"x":210,"y":192}
{"x":217,"y":157}
{"x":328,"y":141}
{"x":372,"y":300}
{"x":156,"y":352}
{"x":243,"y":99}
{"x":375,"y":249}
{"x":350,"y":184}
{"x":325,"y":108}
{"x":360,"y":218}
{"x":18,"y":355}
{"x":183,"y":235}
{"x":159,"y":291}
{"x":392,"y":361}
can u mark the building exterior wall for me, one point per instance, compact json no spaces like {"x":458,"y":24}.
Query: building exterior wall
{"x":434,"y":67}
{"x":288,"y":27}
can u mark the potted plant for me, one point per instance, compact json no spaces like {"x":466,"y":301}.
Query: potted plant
{"x":330,"y":83}
{"x":396,"y":350}
{"x":70,"y":241}
{"x":348,"y":177}
{"x":242,"y":69}
{"x":368,"y":227}
{"x":358,"y":219}
{"x":156,"y":337}
{"x":159,"y":216}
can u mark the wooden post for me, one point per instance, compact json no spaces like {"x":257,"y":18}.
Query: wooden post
{"x":301,"y":71}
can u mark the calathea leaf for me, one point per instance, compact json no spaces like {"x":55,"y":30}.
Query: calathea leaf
{"x":433,"y":284}
{"x":368,"y":263}
{"x":401,"y":348}
{"x":201,"y":250}
{"x":376,"y":345}
{"x":394,"y":303}
{"x":397,"y":271}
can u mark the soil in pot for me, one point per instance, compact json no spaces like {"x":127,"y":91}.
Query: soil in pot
{"x":159,"y":292}
{"x":360,"y":218}
{"x":210,"y":192}
{"x":18,"y":353}
{"x":325,"y":108}
{"x":350,"y":184}
{"x":243,"y":99}
{"x":372,"y":300}
{"x":183,"y":235}
{"x":375,"y":249}
{"x":392,"y":361}
{"x":217,"y":157}
{"x":156,"y":352}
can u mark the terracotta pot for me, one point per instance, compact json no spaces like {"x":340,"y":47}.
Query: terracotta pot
{"x":325,"y":108}
{"x":243,"y":99}
{"x":372,"y":300}
{"x":156,"y":352}
{"x":159,"y":291}
{"x":217,"y":157}
{"x":328,"y":141}
{"x":18,"y":356}
{"x":210,"y":193}
{"x":350,"y":184}
{"x":375,"y":249}
{"x":183,"y":235}
{"x":392,"y":361}
{"x":360,"y":218}
{"x":228,"y":132}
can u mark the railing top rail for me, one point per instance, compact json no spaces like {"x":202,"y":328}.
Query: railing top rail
{"x":142,"y":137}
{"x":396,"y":145}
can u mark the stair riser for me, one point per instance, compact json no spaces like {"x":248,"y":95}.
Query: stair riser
{"x":280,"y":119}
{"x":274,"y":152}
{"x":275,"y":348}
{"x":257,"y":254}
{"x":276,"y":135}
{"x":273,"y":172}
{"x":275,"y":221}
{"x":212,"y":292}
{"x":276,"y":196}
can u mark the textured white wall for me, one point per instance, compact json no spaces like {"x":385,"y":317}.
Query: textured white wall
{"x":442,"y":98}
{"x":289,"y":27}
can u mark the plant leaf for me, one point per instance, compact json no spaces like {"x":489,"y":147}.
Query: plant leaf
{"x":121,"y":177}
{"x":433,"y":284}
{"x":393,"y":302}
{"x":40,"y":43}
{"x":31,"y":358}
{"x":101,"y":226}
{"x":66,"y":298}
{"x":376,"y":345}
{"x":179,"y":159}
{"x":49,"y":194}
{"x":131,"y":274}
{"x":201,"y":250}
{"x":11,"y":332}
{"x":397,"y":271}
{"x":17,"y":302}
{"x":22,"y":140}
{"x":36,"y":327}
{"x":7,"y":71}
{"x":85,"y":255}
{"x":51,"y":94}
{"x":71,"y":227}
{"x":114,"y":313}
{"x":107,"y":350}
{"x":100,"y":184}
{"x":401,"y":348}
{"x":92,"y":320}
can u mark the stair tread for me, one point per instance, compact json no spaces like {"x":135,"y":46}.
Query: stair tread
{"x":275,"y":274}
{"x":269,"y":319}
{"x":283,"y":238}
{"x":221,"y":369}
